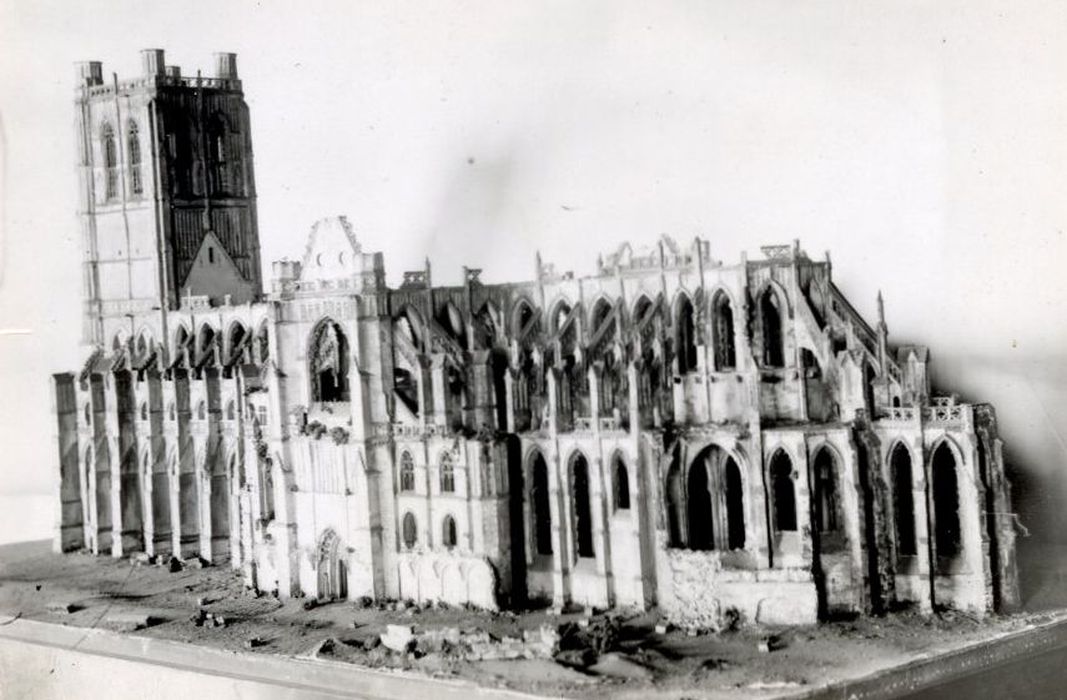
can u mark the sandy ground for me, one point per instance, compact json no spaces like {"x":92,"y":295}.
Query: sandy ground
{"x":117,"y":594}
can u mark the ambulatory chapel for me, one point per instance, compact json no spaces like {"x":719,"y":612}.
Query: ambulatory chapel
{"x":710,"y":437}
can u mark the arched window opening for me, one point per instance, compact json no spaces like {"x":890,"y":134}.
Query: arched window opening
{"x":542,"y":513}
{"x":144,"y":411}
{"x":407,"y":471}
{"x":88,"y":414}
{"x":182,"y":348}
{"x":220,"y":157}
{"x":698,"y":500}
{"x":238,"y":345}
{"x":231,"y":411}
{"x":133,"y":155}
{"x":583,"y":512}
{"x":896,"y":402}
{"x":409,"y":531}
{"x":771,"y":322}
{"x":622,"y":485}
{"x":903,"y":500}
{"x":171,"y":413}
{"x":111,"y":162}
{"x":201,"y":411}
{"x":448,"y":532}
{"x":725,"y":355}
{"x":448,"y":473}
{"x":329,"y":364}
{"x":523,"y":319}
{"x":600,"y":314}
{"x":206,"y":347}
{"x":714,"y":509}
{"x":735,"y":505}
{"x":685,"y":339}
{"x":826,"y":497}
{"x":946,"y":503}
{"x":783,"y":493}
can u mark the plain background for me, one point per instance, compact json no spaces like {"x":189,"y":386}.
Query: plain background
{"x":922,"y":143}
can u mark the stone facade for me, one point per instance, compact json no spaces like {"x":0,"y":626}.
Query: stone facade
{"x":720,"y":440}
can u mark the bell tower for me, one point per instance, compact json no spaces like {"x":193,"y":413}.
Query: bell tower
{"x":167,"y":197}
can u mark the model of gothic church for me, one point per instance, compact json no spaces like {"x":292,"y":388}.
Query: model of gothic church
{"x":705,"y":436}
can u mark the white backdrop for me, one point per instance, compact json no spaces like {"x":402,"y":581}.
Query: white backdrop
{"x":922,"y":143}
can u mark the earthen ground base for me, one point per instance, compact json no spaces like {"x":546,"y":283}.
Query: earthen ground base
{"x":103,"y":592}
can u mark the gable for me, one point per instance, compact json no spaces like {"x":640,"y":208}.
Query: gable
{"x":214,"y":274}
{"x":332,"y":250}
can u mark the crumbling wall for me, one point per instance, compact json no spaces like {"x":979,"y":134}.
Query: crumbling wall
{"x":445,"y":576}
{"x":703,"y":594}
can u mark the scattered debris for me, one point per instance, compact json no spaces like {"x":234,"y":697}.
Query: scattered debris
{"x":63,"y":607}
{"x":615,"y":665}
{"x":770,"y":643}
{"x":255,"y":642}
{"x":311,"y":603}
{"x":399,"y":638}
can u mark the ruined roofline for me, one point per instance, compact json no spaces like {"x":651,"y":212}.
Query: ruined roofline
{"x":90,"y":81}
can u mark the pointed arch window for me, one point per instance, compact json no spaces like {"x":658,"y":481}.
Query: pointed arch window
{"x":771,"y":322}
{"x":714,"y":502}
{"x":947,"y":541}
{"x":622,"y":485}
{"x":220,"y":164}
{"x":448,"y":473}
{"x":329,"y":364}
{"x":685,"y":339}
{"x":826,"y":496}
{"x":407,"y":471}
{"x":903,"y":500}
{"x":448,"y":532}
{"x":410,"y":531}
{"x":133,"y":155}
{"x":723,"y":318}
{"x":540,"y":510}
{"x":783,"y":493}
{"x":583,"y":511}
{"x":111,"y":162}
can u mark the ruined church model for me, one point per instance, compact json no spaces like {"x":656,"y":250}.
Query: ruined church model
{"x":713,"y":438}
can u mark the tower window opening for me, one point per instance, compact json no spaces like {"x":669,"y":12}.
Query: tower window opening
{"x":111,"y":163}
{"x":133,"y":154}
